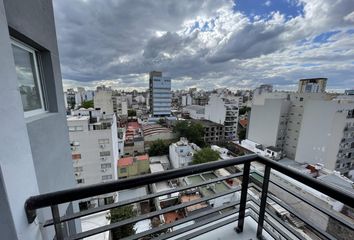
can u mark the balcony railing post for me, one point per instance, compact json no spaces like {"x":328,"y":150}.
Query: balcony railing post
{"x":57,"y":224}
{"x":245,"y":180}
{"x":263,"y":201}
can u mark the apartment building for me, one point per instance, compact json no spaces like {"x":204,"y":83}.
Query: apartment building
{"x":181,"y":153}
{"x":309,"y":127}
{"x":35,"y":158}
{"x":213,"y":132}
{"x":94,"y":149}
{"x":160,"y":94}
{"x":312,"y":85}
{"x":103,"y":100}
{"x":224,"y":110}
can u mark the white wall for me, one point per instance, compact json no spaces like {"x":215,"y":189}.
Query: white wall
{"x":215,"y":110}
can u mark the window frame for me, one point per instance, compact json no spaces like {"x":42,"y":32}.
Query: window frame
{"x":38,"y":77}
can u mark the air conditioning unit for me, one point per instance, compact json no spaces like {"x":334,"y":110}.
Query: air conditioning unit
{"x":77,"y":174}
{"x":102,"y":145}
{"x":103,"y":170}
{"x":103,"y":158}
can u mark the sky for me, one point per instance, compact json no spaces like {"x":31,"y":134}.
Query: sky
{"x":206,"y":44}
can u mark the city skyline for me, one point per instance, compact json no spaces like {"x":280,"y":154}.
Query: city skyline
{"x":206,"y":44}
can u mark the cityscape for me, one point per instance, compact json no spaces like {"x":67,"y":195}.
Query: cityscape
{"x":170,"y":155}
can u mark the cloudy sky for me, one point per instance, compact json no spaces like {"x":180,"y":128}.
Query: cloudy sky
{"x":205,"y":44}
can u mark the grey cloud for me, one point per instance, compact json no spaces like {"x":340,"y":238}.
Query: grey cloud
{"x":116,"y":41}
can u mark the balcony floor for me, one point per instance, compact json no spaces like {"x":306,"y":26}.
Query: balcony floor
{"x":227,"y":231}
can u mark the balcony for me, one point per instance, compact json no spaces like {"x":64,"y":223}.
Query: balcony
{"x":253,"y":211}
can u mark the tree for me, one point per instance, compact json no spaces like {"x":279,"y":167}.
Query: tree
{"x":131,"y":113}
{"x":242,"y":134}
{"x":205,"y":155}
{"x":120,"y":214}
{"x":158,"y":148}
{"x":194,"y":132}
{"x":243,"y":110}
{"x":87,"y":104}
{"x":161,"y":121}
{"x":181,"y":128}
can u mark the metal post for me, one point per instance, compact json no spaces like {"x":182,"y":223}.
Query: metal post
{"x":263,"y":201}
{"x":57,"y":224}
{"x":245,"y":180}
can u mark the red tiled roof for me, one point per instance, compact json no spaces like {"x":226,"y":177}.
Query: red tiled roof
{"x":243,"y":122}
{"x":125,"y":161}
{"x":143,"y":157}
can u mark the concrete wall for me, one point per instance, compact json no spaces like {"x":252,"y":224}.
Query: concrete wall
{"x":215,"y":111}
{"x":264,"y":121}
{"x":35,"y":151}
{"x":321,"y":133}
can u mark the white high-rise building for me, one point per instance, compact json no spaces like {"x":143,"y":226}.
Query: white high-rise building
{"x":306,"y":127}
{"x":224,"y":110}
{"x":160,"y":95}
{"x":103,"y":100}
{"x":94,"y":147}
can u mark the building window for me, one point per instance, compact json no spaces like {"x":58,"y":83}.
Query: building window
{"x":106,"y":177}
{"x":76,"y":156}
{"x":103,"y":141}
{"x":105,"y":165}
{"x":75,"y":128}
{"x":80,"y":180}
{"x":78,"y":169}
{"x":28,"y":78}
{"x":123,"y":170}
{"x":105,"y":153}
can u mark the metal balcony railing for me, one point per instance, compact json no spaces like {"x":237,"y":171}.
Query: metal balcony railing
{"x":247,"y":206}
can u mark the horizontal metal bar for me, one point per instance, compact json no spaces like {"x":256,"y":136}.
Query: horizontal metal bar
{"x":150,"y":215}
{"x":269,"y":223}
{"x":138,"y":199}
{"x":316,"y":206}
{"x":276,"y":218}
{"x":336,"y":193}
{"x":292,"y":211}
{"x":304,"y":219}
{"x":184,"y":220}
{"x":69,"y":195}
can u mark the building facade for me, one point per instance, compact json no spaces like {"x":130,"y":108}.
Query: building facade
{"x":160,"y":94}
{"x":312,"y":85}
{"x":35,"y":158}
{"x":181,"y":153}
{"x":94,"y":149}
{"x":224,"y":110}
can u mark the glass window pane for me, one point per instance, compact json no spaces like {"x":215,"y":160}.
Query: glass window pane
{"x":27,"y":79}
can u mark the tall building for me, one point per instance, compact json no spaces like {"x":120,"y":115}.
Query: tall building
{"x":160,"y":95}
{"x":312,"y":85}
{"x":94,"y":149}
{"x":35,"y":158}
{"x":103,"y":100}
{"x":307,"y":127}
{"x":224,"y":110}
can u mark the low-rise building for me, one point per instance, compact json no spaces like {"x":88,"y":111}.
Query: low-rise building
{"x":134,"y":140}
{"x":213,"y":132}
{"x":195,"y":111}
{"x":181,"y":153}
{"x":133,"y":166}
